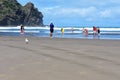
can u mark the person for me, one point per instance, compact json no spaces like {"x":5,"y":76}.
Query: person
{"x":86,"y":32}
{"x":72,"y":30}
{"x":51,"y":29}
{"x":98,"y":31}
{"x":94,"y":30}
{"x":62,"y":31}
{"x":83,"y":31}
{"x":22,"y":29}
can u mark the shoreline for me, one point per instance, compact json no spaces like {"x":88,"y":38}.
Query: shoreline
{"x":106,"y":33}
{"x":80,"y":38}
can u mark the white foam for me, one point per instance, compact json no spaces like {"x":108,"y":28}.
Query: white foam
{"x":45,"y":30}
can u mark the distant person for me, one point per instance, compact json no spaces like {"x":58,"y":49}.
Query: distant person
{"x":94,"y":30}
{"x":86,"y":32}
{"x":22,"y":29}
{"x":72,"y":30}
{"x":62,"y":31}
{"x":51,"y":29}
{"x":98,"y":31}
{"x":83,"y":31}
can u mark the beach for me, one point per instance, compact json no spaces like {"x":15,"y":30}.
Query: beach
{"x":59,"y":59}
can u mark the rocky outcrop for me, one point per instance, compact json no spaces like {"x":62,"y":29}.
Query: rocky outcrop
{"x":12,"y":14}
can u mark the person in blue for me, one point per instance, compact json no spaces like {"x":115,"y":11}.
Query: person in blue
{"x":51,"y":29}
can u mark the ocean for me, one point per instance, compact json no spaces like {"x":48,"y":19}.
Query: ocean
{"x":112,"y":33}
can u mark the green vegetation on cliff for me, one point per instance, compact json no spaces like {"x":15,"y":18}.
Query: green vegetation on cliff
{"x":12,"y":13}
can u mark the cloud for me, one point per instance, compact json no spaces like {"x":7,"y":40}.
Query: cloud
{"x":50,"y":8}
{"x":69,"y":12}
{"x":113,"y":12}
{"x":106,"y":13}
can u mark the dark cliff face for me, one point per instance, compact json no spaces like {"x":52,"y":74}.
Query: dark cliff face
{"x":13,"y":14}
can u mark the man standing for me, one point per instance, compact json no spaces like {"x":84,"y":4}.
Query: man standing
{"x":51,"y":29}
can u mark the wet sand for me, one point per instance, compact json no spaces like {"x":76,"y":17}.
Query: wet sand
{"x":59,"y":59}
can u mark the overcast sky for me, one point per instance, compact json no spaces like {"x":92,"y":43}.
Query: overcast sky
{"x":79,"y":12}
